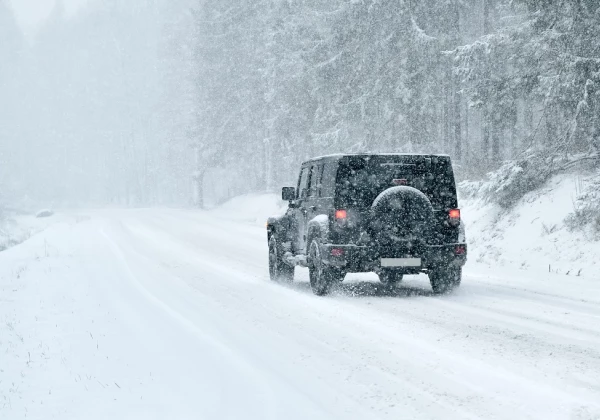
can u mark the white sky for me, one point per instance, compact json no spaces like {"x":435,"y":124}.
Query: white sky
{"x":30,"y":13}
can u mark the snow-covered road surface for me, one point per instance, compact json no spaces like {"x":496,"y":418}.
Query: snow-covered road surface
{"x":169,"y":314}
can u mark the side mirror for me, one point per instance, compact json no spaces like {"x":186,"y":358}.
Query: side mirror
{"x":288,"y":193}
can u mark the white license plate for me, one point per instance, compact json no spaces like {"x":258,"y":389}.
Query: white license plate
{"x":400,"y":262}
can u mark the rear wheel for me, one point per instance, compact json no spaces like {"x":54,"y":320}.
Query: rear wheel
{"x":390,"y":277}
{"x":322,"y":276}
{"x":278,"y":269}
{"x":445,"y":279}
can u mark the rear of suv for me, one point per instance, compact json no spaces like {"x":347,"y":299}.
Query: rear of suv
{"x":392,"y":214}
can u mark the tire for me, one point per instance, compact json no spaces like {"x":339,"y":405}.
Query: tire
{"x":390,"y":277}
{"x":445,"y":279}
{"x":278,"y":270}
{"x":322,"y":277}
{"x":401,"y":222}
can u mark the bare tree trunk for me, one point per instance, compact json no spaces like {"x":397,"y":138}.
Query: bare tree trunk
{"x":198,"y":179}
{"x":467,"y":133}
{"x":268,"y":165}
{"x":441,"y":127}
{"x":513,"y":140}
{"x":495,"y":129}
{"x":514,"y":127}
{"x":485,"y":114}
{"x":485,"y":144}
{"x":457,"y":125}
{"x":447,"y":123}
{"x":487,"y":5}
{"x":456,"y":90}
{"x":527,"y":130}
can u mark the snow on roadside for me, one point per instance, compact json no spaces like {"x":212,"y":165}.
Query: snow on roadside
{"x":532,"y":235}
{"x":251,"y":208}
{"x":62,"y":333}
{"x":17,"y":227}
{"x":33,"y":297}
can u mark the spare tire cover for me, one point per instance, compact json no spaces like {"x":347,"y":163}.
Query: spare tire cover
{"x":401,"y":214}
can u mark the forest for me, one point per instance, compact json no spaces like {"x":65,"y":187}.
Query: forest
{"x":169,"y":102}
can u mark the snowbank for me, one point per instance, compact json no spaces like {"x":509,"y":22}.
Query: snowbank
{"x":251,"y":208}
{"x":532,"y":234}
{"x":17,"y":227}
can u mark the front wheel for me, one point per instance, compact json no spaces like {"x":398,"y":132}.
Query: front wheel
{"x":445,"y":279}
{"x":322,"y":276}
{"x":278,"y":270}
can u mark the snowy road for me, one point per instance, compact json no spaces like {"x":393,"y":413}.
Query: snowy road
{"x":169,"y":314}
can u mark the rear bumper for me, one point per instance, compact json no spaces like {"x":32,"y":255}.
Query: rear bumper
{"x":354,"y":258}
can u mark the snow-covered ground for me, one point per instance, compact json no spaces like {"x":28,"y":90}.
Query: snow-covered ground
{"x":169,"y":314}
{"x":533,"y":234}
{"x":16,"y":226}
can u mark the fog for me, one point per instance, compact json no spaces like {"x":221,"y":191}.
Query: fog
{"x":180,"y":102}
{"x":84,"y":106}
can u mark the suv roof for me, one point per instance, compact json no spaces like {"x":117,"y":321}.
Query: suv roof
{"x":341,"y":155}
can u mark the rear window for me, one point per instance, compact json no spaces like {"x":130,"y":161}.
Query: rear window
{"x":361,"y":179}
{"x":328,"y":179}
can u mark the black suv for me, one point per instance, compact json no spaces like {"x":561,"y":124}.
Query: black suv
{"x":393,"y":214}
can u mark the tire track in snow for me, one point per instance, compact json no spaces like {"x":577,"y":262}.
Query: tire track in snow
{"x":528,"y":385}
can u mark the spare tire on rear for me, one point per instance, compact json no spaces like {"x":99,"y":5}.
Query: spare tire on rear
{"x":401,"y":214}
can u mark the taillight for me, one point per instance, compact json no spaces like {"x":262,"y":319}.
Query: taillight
{"x":454,"y":217}
{"x":341,"y":214}
{"x":337,"y":252}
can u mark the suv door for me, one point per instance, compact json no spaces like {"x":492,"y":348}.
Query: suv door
{"x":301,"y":210}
